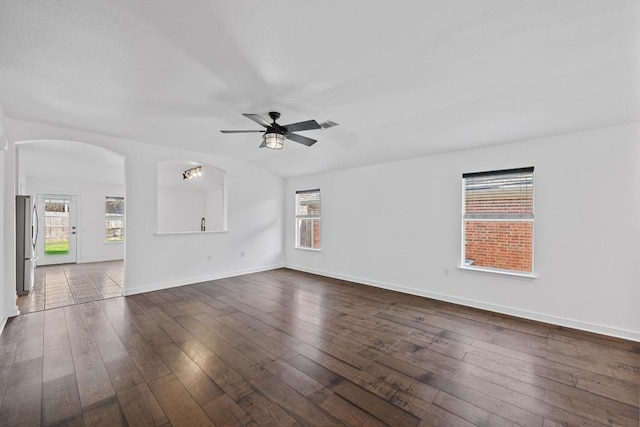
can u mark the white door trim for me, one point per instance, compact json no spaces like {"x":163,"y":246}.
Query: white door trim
{"x":72,"y":256}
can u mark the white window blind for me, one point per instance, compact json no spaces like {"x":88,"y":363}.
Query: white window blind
{"x":308,"y":203}
{"x":499,"y":194}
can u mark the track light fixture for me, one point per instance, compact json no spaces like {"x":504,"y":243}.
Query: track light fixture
{"x":194,"y":172}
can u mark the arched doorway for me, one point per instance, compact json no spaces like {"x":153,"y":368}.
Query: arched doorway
{"x":78,"y":191}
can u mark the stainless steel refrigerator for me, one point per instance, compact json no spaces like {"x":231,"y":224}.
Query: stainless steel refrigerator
{"x":26,"y":239}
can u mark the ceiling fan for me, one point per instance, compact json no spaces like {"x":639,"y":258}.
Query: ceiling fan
{"x":275,"y":134}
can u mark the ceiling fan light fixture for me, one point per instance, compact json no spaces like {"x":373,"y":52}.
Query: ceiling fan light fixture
{"x":274,"y":140}
{"x":274,"y":135}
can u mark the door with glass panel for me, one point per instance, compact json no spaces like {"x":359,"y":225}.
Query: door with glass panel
{"x":57,"y":215}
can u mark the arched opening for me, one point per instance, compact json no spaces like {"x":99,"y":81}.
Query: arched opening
{"x":77,"y":195}
{"x":191,"y":197}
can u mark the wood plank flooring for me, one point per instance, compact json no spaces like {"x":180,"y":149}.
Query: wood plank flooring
{"x":293,"y":349}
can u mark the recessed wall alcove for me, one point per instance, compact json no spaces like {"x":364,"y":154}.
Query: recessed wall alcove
{"x":197,"y":205}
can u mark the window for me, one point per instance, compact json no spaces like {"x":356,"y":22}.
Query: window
{"x":308,"y":219}
{"x":114,"y":214}
{"x":498,"y":220}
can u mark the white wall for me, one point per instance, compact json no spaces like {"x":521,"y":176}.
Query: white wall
{"x":255,"y":203}
{"x":214,"y":209}
{"x":8,"y":306}
{"x":397,"y":226}
{"x":180,"y":210}
{"x":90,"y":216}
{"x":4,"y":260}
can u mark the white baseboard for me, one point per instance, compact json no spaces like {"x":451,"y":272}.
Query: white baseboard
{"x":529,"y":315}
{"x":12,"y":312}
{"x":192,"y":280}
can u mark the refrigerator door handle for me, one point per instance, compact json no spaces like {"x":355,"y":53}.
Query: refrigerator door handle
{"x":36,"y":224}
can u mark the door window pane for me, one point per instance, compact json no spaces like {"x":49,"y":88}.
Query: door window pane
{"x":56,"y":221}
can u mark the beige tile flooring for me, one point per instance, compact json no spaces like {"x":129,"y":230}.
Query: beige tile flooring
{"x":68,"y":284}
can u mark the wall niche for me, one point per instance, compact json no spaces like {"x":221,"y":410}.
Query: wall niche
{"x":191,"y":205}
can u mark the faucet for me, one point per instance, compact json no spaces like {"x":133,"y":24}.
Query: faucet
{"x":202,"y":224}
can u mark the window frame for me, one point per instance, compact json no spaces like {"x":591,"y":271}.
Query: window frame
{"x":529,"y":218}
{"x":111,"y":216}
{"x":298,"y":218}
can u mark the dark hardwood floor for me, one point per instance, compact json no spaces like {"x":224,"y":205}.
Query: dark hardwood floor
{"x":288,"y":348}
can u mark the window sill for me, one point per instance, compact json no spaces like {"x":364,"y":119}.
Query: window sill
{"x":113,"y":242}
{"x":499,"y":272}
{"x":309,"y":249}
{"x":171,"y":233}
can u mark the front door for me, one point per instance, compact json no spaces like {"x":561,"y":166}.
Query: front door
{"x":57,"y":216}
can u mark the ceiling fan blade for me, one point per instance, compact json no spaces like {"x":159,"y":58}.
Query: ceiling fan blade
{"x":307,"y":125}
{"x":241,"y":131}
{"x":257,"y":118}
{"x":264,"y":144}
{"x":301,"y":139}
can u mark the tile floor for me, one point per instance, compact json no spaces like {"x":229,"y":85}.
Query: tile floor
{"x":68,"y":284}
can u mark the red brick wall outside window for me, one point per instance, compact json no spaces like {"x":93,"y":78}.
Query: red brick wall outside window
{"x":308,"y":219}
{"x":498,"y":220}
{"x":501,"y":245}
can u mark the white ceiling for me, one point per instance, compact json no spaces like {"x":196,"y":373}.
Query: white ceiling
{"x":70,"y":161}
{"x":402,"y":79}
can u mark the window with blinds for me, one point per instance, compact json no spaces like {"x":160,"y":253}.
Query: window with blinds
{"x":308,"y":219}
{"x":498,"y":220}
